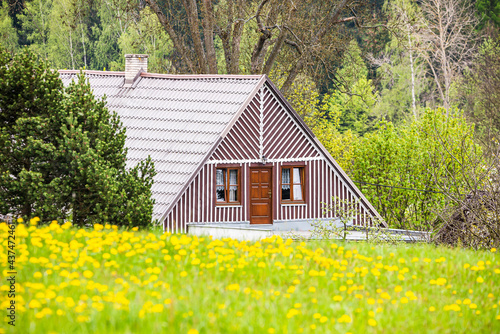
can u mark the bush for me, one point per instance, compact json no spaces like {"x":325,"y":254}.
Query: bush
{"x":402,"y":170}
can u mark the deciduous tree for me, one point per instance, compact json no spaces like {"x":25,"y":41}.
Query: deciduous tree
{"x":303,"y":35}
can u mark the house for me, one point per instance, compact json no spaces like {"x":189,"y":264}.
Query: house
{"x":226,"y":148}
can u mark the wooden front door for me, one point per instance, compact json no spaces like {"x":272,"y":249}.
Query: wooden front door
{"x":261,"y":199}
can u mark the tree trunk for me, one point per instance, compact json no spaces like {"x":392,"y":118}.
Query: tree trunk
{"x":275,"y":51}
{"x":71,"y":50}
{"x":208,"y":33}
{"x":192,"y":15}
{"x":412,"y":77}
{"x":83,"y":44}
{"x":234,"y":68}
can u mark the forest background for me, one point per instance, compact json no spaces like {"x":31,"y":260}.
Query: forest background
{"x":403,"y":93}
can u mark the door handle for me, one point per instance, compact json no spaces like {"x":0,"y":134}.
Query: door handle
{"x":270,"y":193}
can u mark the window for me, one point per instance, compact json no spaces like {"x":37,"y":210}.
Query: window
{"x":292,"y":184}
{"x":227,"y":185}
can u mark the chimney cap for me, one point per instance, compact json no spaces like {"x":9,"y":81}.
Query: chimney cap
{"x":136,"y":55}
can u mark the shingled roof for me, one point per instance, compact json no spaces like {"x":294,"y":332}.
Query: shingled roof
{"x":177,"y":120}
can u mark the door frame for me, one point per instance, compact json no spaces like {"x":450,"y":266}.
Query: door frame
{"x":271,"y":203}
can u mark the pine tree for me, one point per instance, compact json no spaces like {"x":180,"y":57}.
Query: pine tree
{"x":352,"y":103}
{"x":62,"y":152}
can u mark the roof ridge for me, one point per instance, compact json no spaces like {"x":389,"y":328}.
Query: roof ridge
{"x":170,"y":76}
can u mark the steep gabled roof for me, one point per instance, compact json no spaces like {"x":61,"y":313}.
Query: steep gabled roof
{"x":175,"y":119}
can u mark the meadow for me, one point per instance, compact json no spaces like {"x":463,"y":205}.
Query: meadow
{"x":110,"y":280}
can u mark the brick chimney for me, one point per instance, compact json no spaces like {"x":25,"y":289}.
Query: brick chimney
{"x":134,"y":64}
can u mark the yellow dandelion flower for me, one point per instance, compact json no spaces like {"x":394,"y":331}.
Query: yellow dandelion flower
{"x":82,"y":318}
{"x":34,"y":304}
{"x":493,"y":250}
{"x":271,"y":330}
{"x":88,"y":274}
{"x":158,"y":308}
{"x":345,"y":318}
{"x":372,"y":322}
{"x":480,"y":280}
{"x":37,"y":274}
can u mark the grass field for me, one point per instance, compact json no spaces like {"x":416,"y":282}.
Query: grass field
{"x":108,"y":280}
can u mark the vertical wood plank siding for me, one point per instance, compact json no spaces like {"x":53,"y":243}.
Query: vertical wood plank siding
{"x":283,"y":140}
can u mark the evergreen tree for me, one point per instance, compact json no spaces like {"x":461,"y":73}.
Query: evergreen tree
{"x":8,"y":34}
{"x":488,"y":11}
{"x":352,"y":104}
{"x":35,"y":21}
{"x":30,"y":103}
{"x":62,"y":152}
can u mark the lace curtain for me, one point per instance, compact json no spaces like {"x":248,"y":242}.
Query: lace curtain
{"x":233,"y":185}
{"x":220,"y":179}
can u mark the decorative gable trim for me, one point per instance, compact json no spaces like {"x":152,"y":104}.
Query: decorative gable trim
{"x":257,"y":87}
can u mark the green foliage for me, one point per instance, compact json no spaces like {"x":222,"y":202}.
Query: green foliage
{"x":8,"y":34}
{"x":354,"y":108}
{"x":489,"y":11}
{"x":63,"y":151}
{"x":64,"y":49}
{"x":352,"y":104}
{"x":353,"y":67}
{"x":406,"y":157}
{"x":395,"y":96}
{"x":36,"y":23}
{"x":30,"y":104}
{"x":149,"y":37}
{"x":395,"y":71}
